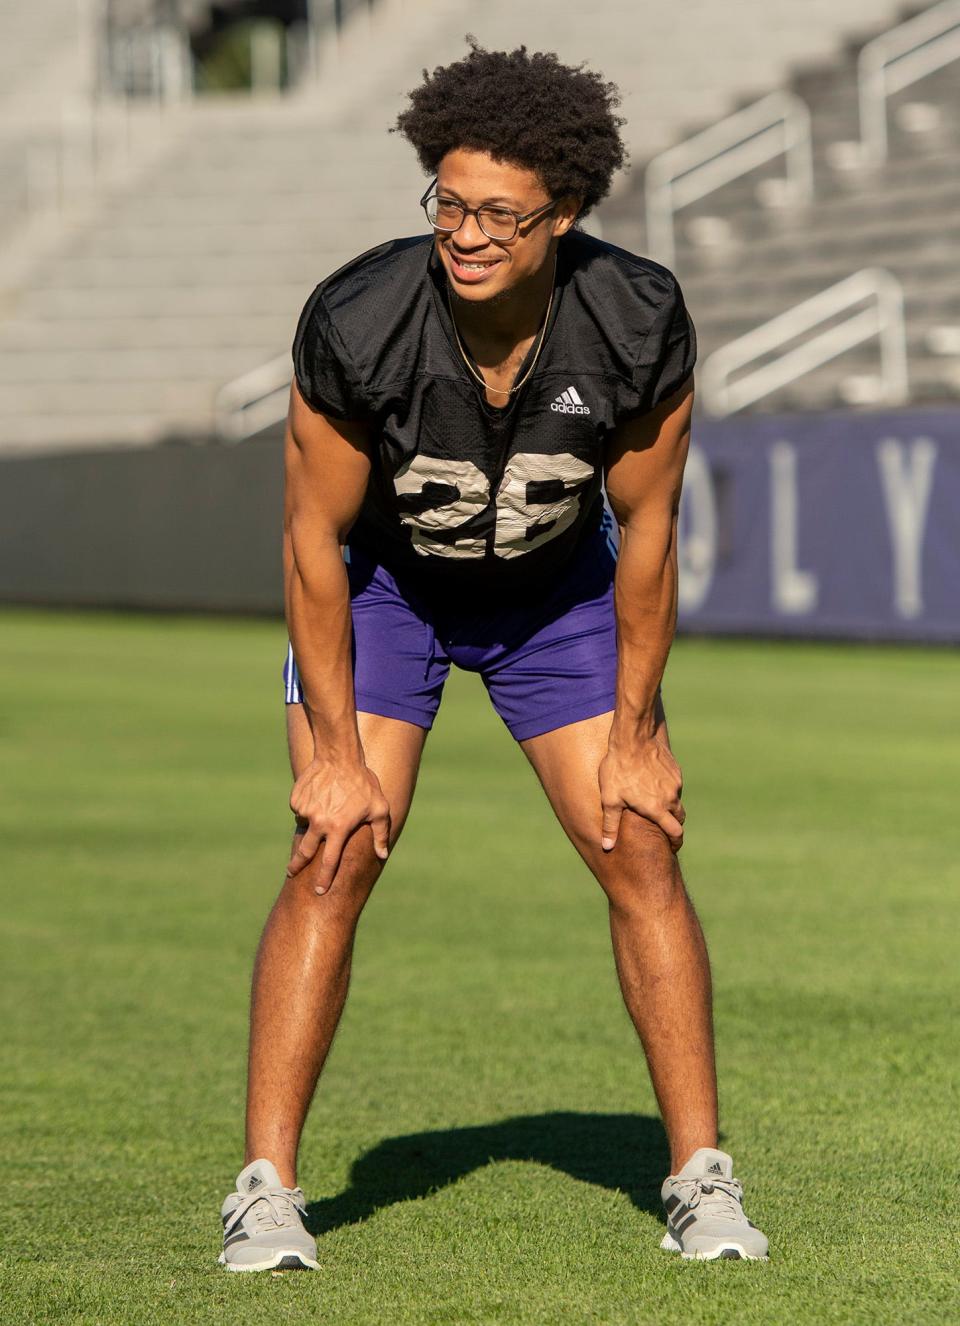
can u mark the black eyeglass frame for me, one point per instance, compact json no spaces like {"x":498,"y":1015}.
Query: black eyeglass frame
{"x":518,"y":219}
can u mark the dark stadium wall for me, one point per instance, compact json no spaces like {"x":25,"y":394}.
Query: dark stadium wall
{"x":838,"y":525}
{"x":171,"y":527}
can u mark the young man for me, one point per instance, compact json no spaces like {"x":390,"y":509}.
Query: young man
{"x":459,"y":400}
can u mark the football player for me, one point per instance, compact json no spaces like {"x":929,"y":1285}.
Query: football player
{"x":461,"y":401}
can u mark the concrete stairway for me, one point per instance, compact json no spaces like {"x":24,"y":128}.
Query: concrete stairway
{"x":742,"y":262}
{"x":45,"y":64}
{"x":41,"y":50}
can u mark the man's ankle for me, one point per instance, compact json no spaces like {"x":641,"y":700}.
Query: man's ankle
{"x":285,"y":1168}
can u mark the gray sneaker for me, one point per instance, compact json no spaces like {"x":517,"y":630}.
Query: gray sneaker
{"x":705,"y":1218}
{"x":263,"y":1224}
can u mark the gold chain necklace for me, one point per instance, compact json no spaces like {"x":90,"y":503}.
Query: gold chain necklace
{"x":543,"y":332}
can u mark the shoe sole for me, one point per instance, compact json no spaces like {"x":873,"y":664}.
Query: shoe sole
{"x":280,"y":1261}
{"x":725,"y":1251}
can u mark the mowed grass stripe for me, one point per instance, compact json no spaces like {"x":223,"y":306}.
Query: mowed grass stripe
{"x":484,"y":1147}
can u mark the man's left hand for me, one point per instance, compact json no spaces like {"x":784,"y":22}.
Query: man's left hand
{"x":643,"y":777}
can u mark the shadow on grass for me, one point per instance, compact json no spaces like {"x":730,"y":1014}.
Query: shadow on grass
{"x":624,"y":1152}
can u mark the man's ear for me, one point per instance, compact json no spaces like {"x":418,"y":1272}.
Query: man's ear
{"x":568,"y":209}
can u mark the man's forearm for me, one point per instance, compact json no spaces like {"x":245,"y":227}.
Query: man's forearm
{"x":318,"y":619}
{"x":646,"y":609}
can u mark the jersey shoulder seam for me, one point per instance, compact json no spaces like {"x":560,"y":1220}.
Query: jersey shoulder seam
{"x":323,"y":287}
{"x":623,"y":257}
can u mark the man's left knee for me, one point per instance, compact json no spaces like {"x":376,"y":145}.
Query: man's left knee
{"x":642,"y":868}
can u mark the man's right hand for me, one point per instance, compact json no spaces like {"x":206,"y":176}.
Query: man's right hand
{"x":336,"y":799}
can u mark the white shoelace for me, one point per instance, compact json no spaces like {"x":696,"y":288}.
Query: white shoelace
{"x":279,"y":1208}
{"x":722,"y":1197}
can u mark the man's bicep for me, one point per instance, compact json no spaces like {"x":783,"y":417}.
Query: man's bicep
{"x":327,"y":468}
{"x":643,"y":467}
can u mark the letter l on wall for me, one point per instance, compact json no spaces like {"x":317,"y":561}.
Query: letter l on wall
{"x":794,"y":591}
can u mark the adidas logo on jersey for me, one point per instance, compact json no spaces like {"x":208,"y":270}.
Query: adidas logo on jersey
{"x":569,"y":402}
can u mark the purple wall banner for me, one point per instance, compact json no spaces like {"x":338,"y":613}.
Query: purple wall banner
{"x":825,"y":525}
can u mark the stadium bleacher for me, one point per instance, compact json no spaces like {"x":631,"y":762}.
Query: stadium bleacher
{"x":742,"y":260}
{"x":41,"y":74}
{"x":185,"y":266}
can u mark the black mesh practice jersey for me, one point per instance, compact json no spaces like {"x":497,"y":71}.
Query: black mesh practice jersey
{"x":465,"y":493}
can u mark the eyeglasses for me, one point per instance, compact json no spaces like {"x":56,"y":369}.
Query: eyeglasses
{"x":496,"y":222}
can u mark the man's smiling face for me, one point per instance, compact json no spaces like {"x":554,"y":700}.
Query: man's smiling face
{"x":479,"y":268}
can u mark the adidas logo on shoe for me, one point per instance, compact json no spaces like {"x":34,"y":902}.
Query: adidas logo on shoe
{"x":715,"y":1168}
{"x":253,"y":1182}
{"x":569,"y":402}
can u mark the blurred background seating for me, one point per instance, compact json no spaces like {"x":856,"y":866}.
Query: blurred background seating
{"x":184,"y":173}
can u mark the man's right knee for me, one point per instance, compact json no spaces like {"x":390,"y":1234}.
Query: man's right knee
{"x":356,"y":875}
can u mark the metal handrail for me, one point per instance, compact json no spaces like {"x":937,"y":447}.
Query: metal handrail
{"x":884,"y":318}
{"x":253,"y":401}
{"x":727,"y":150}
{"x":898,"y":58}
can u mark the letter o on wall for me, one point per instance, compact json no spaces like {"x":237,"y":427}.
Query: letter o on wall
{"x":696,"y":533}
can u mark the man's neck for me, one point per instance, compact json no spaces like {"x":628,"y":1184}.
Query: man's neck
{"x":507,"y":319}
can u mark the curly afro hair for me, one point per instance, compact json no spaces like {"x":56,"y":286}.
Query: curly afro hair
{"x":530,"y":110}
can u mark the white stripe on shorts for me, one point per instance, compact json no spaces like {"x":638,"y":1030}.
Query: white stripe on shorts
{"x":294,"y":694}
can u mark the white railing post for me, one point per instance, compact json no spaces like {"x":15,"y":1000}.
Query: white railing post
{"x":883,"y":318}
{"x":895,"y":60}
{"x":893,"y":337}
{"x":254,"y":401}
{"x":872,"y":102}
{"x":777,"y":125}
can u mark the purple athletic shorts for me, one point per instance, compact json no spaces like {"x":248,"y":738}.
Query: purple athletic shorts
{"x":546,"y":661}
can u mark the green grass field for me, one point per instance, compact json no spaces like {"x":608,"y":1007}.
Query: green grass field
{"x":484,"y":1146}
